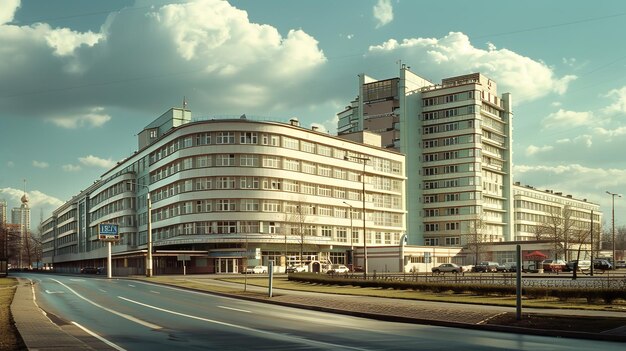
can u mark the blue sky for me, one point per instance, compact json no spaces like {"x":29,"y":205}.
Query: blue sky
{"x":81,"y":78}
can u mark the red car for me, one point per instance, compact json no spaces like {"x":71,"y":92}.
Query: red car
{"x":553,"y":265}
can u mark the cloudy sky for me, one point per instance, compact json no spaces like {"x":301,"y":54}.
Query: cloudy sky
{"x":81,"y":78}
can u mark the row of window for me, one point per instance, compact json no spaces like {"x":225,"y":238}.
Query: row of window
{"x":222,"y":138}
{"x":452,"y":183}
{"x":451,"y":155}
{"x":449,"y":241}
{"x":336,"y":233}
{"x":447,"y":169}
{"x":447,"y":113}
{"x":446,"y":99}
{"x":455,"y":140}
{"x":448,"y":127}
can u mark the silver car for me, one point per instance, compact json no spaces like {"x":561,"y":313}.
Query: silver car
{"x":447,"y":267}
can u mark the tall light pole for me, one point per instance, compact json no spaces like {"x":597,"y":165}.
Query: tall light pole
{"x":364,"y":160}
{"x":149,"y":253}
{"x":613,"y":195}
{"x":351,"y":235}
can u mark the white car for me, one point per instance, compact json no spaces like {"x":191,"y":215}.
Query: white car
{"x":297,"y":269}
{"x":256,"y":270}
{"x":338,"y":269}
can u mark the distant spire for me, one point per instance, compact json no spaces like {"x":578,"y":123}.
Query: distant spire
{"x":184,"y":102}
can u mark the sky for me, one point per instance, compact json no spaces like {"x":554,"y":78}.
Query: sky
{"x":81,"y":78}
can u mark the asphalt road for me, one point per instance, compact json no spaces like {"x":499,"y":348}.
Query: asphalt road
{"x":135,"y":315}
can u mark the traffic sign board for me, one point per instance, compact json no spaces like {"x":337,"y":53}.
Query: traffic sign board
{"x":108,"y":232}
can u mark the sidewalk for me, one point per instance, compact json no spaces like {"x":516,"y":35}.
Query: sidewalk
{"x":36,"y":329}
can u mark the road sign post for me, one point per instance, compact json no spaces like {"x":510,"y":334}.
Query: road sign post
{"x":109,"y":232}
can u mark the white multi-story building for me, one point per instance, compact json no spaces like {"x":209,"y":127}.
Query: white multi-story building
{"x":3,"y":211}
{"x":229,"y":192}
{"x":457,"y":140}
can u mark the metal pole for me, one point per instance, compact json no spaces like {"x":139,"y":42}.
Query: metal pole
{"x":518,"y":282}
{"x":613,"y":222}
{"x":591,"y":268}
{"x":149,"y":256}
{"x":351,"y":235}
{"x":364,"y":229}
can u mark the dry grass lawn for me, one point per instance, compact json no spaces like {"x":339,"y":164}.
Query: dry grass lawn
{"x":9,"y":337}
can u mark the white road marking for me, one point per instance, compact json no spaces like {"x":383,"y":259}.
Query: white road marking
{"x":273,"y":335}
{"x":102,"y":290}
{"x":131,"y":285}
{"x":54,"y":292}
{"x":119,"y":348}
{"x":234,"y":309}
{"x":154,"y":292}
{"x":123,"y":315}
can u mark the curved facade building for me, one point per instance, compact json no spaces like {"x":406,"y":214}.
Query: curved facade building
{"x":226,"y":193}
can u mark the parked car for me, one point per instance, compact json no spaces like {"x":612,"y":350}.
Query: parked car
{"x":486,"y":266}
{"x":583,"y":265}
{"x":256,"y":270}
{"x":91,"y":270}
{"x":338,"y":269}
{"x":447,"y":267}
{"x":553,"y":265}
{"x":620,"y":264}
{"x":602,"y":264}
{"x":509,"y":267}
{"x":296,"y":269}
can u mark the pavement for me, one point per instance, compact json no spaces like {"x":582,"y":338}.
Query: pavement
{"x":46,"y":333}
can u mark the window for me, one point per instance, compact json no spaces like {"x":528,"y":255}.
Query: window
{"x":249,"y":160}
{"x":249,"y":183}
{"x":342,"y":235}
{"x":225,"y":138}
{"x":250,"y":205}
{"x":226,"y":227}
{"x":248,"y":138}
{"x":324,"y":171}
{"x":308,"y":167}
{"x":431,"y":242}
{"x":291,"y":165}
{"x":271,"y":161}
{"x":225,"y":183}
{"x":249,"y":226}
{"x":271,"y":206}
{"x":225,"y":160}
{"x":290,"y":143}
{"x":324,"y":150}
{"x":327,"y":231}
{"x":307,"y":147}
{"x":203,"y":161}
{"x":225,"y":205}
{"x":454,"y":241}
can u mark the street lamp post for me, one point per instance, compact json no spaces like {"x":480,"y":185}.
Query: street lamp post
{"x":149,"y":224}
{"x":364,"y":159}
{"x":351,"y":236}
{"x":613,"y":222}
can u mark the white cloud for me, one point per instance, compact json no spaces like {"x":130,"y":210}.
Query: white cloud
{"x":93,"y":118}
{"x":65,"y":41}
{"x":619,"y":106}
{"x":563,"y":118}
{"x":37,"y":201}
{"x":71,"y":168}
{"x":209,"y":45}
{"x":383,"y":13}
{"x":40,"y":164}
{"x":93,"y":161}
{"x":453,"y":54}
{"x":7,"y":10}
{"x":532,"y":149}
{"x":610,"y":133}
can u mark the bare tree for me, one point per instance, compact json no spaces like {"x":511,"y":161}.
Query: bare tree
{"x":296,"y":215}
{"x":557,"y":226}
{"x":475,"y":237}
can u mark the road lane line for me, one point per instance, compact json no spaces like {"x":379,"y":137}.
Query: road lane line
{"x":123,"y":315}
{"x":131,"y":285}
{"x":234,"y":309}
{"x":102,"y":290}
{"x":273,"y":335}
{"x":154,"y":292}
{"x":119,"y":348}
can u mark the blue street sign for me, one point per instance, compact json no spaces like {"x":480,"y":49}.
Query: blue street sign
{"x":108,"y":232}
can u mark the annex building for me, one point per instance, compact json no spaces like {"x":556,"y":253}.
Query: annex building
{"x":456,"y":136}
{"x":230,"y":193}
